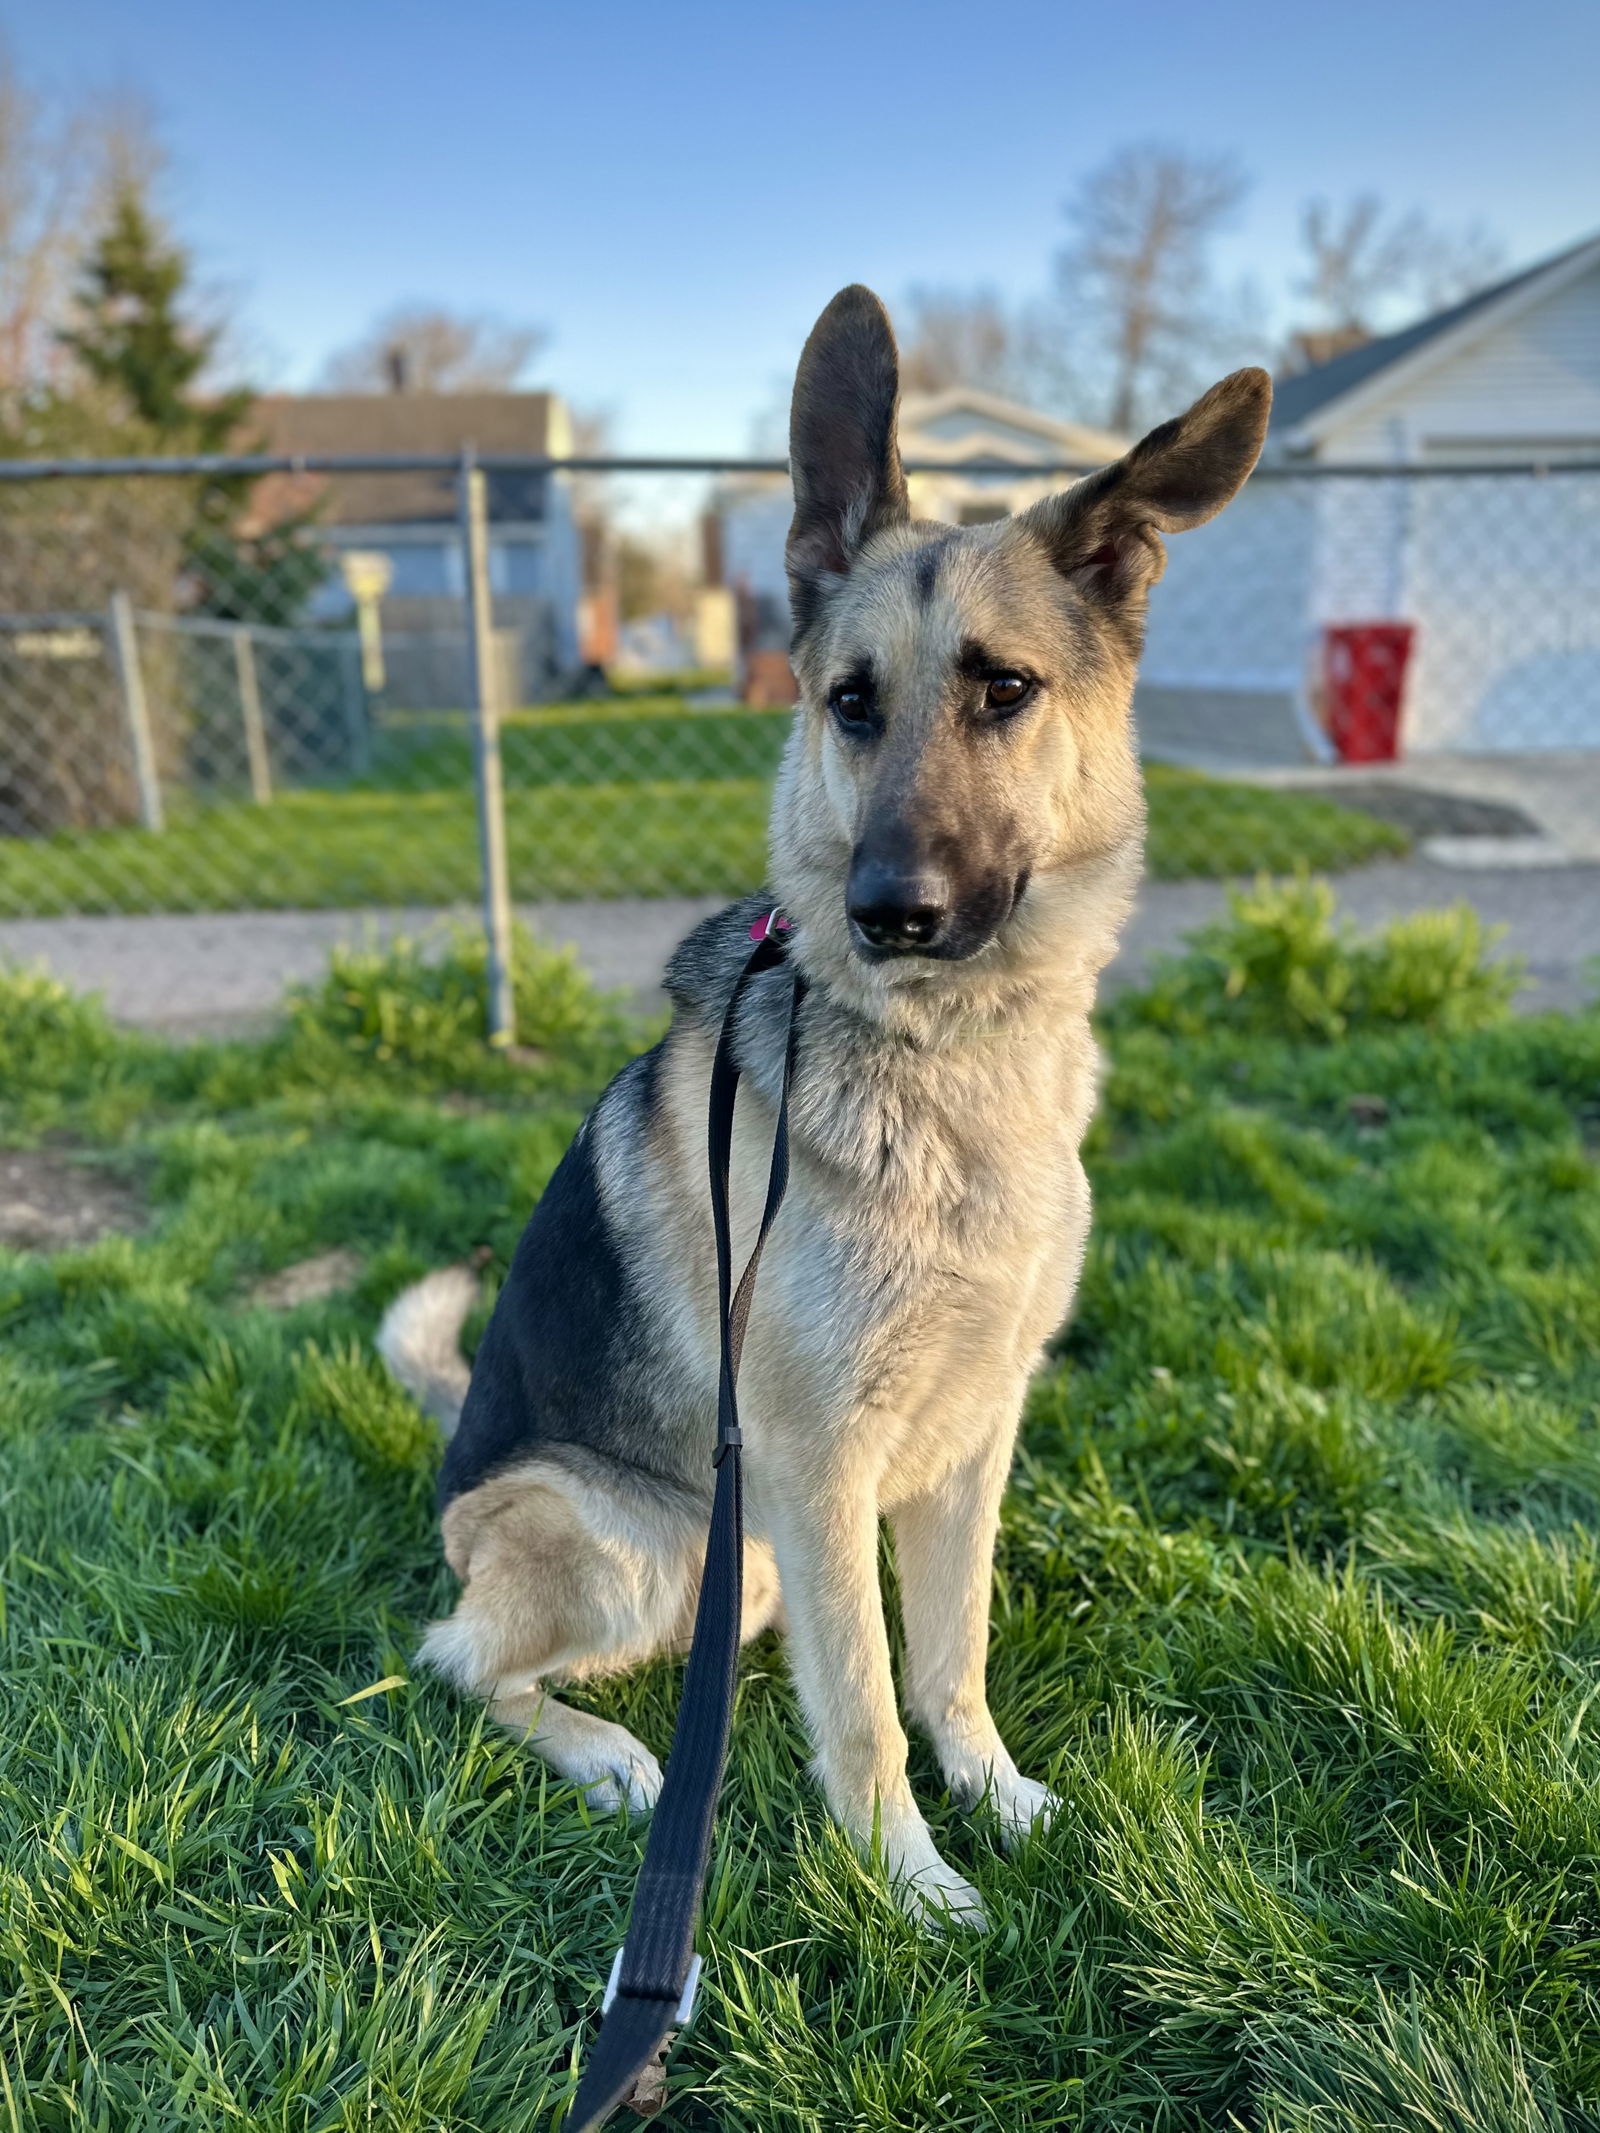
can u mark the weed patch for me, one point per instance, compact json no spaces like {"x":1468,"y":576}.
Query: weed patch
{"x":1279,"y":965}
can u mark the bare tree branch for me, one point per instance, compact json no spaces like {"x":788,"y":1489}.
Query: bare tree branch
{"x":426,"y":348}
{"x":46,"y":209}
{"x":1366,"y":266}
{"x":1456,"y":264}
{"x":959,"y":337}
{"x":1356,"y":260}
{"x":1135,"y":279}
{"x":61,"y":168}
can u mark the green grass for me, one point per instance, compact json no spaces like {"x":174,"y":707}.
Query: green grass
{"x":634,"y":798}
{"x":1212,"y":826}
{"x":1297,"y":1604}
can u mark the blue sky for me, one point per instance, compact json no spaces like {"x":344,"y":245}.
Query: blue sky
{"x":675,"y":190}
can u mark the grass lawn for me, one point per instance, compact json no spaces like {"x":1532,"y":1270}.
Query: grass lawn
{"x":1297,"y":1605}
{"x":634,"y":798}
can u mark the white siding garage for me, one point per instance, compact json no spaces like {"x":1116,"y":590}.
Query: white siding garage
{"x":1498,"y":574}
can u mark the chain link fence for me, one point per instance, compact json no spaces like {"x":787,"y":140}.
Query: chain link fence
{"x":218,"y":695}
{"x":1363,"y":616}
{"x":190,"y":719}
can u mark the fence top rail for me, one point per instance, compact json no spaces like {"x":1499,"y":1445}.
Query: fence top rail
{"x":215,"y":626}
{"x":217,"y":467}
{"x":48,"y":621}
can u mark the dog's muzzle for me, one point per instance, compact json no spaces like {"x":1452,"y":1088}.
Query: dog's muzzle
{"x":893,"y":912}
{"x":921,"y":912}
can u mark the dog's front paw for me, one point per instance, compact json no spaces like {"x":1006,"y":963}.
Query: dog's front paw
{"x":937,"y":1897}
{"x":628,"y":1776}
{"x":992,"y":1783}
{"x":1021,"y":1806}
{"x":926,"y":1888}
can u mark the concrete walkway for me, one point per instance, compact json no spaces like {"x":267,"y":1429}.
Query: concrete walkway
{"x":224,"y":973}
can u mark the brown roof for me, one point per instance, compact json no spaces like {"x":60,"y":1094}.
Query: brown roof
{"x":391,"y":422}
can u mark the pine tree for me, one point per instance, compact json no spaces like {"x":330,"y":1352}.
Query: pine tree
{"x":134,"y":340}
{"x":137,"y":344}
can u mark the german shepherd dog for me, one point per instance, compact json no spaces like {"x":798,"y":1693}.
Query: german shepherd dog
{"x":956,"y":838}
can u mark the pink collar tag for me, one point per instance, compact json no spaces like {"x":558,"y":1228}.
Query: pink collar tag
{"x":774,"y":922}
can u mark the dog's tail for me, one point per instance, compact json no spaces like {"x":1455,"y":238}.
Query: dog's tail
{"x":420,"y":1340}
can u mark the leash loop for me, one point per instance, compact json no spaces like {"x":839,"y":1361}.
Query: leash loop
{"x":656,"y":1970}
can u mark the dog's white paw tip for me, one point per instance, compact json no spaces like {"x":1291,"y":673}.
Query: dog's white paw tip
{"x":1024,"y":1808}
{"x":939,"y":1898}
{"x":644,"y":1786}
{"x":635,"y":1784}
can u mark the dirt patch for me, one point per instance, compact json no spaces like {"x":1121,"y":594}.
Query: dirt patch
{"x":52,"y":1200}
{"x":307,"y":1281}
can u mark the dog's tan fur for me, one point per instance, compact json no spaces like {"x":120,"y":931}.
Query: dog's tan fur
{"x":938,"y":1210}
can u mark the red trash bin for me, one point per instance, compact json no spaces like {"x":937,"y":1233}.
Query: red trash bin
{"x":1364,"y":677}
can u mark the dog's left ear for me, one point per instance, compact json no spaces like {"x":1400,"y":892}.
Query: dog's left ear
{"x":1106,"y":533}
{"x":844,"y":458}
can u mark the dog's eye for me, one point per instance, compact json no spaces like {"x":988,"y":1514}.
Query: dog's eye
{"x":1006,"y":691}
{"x":852,"y":708}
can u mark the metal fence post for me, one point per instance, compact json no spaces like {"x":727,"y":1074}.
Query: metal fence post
{"x":136,"y":711}
{"x":483,"y":691}
{"x":255,"y":732}
{"x":353,"y":690}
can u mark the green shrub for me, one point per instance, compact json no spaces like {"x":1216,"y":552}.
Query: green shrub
{"x":1280,"y":965}
{"x":417,"y":1006}
{"x":50,"y":1038}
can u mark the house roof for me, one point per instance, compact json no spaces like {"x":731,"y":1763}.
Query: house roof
{"x":1308,"y":400}
{"x":534,"y":423}
{"x":1035,"y":439}
{"x":1048,"y":437}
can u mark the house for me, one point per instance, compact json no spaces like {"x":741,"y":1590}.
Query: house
{"x":951,"y":435}
{"x":1497,"y":575}
{"x":535,"y":561}
{"x":954,"y":431}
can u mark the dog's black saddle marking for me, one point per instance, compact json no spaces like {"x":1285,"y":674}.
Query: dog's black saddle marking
{"x":570,"y":1368}
{"x":550,"y":1366}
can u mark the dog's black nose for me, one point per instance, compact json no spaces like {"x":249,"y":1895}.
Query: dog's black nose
{"x":897,"y":913}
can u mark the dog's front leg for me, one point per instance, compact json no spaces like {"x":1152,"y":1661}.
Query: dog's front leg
{"x":944,"y":1550}
{"x":825,"y":1533}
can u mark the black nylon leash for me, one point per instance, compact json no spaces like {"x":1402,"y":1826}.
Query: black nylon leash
{"x":657,"y":1954}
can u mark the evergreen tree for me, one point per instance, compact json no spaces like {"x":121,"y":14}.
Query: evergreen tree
{"x":145,"y":357}
{"x":134,"y":340}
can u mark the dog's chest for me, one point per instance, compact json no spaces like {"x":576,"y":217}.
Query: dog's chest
{"x":934,"y":1229}
{"x":941,"y":1158}
{"x":929,"y":1243}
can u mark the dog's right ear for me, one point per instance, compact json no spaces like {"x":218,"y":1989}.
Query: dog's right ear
{"x":844,"y":458}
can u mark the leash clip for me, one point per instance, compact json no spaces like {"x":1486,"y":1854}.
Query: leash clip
{"x":691,"y":1986}
{"x":774,"y":922}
